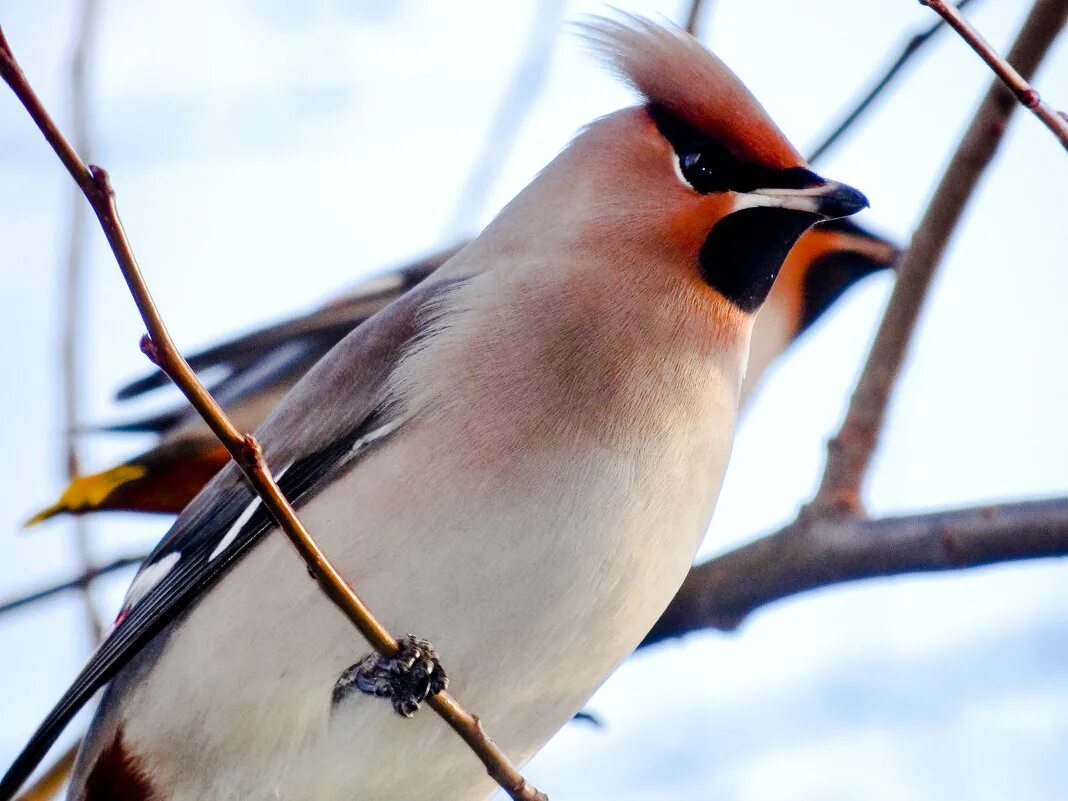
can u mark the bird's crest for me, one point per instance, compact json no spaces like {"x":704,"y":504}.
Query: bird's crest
{"x":671,"y":69}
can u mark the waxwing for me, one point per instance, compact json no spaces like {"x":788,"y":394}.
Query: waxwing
{"x":258,"y":368}
{"x":515,"y":460}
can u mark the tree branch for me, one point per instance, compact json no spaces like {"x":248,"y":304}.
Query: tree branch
{"x":89,"y":575}
{"x":1015,"y":81}
{"x":518,"y":99}
{"x":813,"y":553}
{"x":158,"y":345}
{"x":914,"y":44}
{"x":71,"y":319}
{"x":849,"y":453}
{"x":693,"y":16}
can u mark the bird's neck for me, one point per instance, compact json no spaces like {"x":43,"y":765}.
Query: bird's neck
{"x":544,"y":353}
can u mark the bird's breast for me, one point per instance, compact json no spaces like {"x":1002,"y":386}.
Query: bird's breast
{"x":533,"y":534}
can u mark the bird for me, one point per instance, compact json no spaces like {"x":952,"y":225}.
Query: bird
{"x":828,"y":259}
{"x":261,"y":366}
{"x":516,"y":474}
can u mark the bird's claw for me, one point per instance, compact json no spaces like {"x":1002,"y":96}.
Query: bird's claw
{"x":408,"y":678}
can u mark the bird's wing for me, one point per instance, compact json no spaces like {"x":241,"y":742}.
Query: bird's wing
{"x":286,"y":349}
{"x":333,"y":417}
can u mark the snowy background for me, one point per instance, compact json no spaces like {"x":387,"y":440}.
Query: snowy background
{"x":272,"y":152}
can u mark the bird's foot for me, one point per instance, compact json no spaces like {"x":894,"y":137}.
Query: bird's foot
{"x":408,"y":678}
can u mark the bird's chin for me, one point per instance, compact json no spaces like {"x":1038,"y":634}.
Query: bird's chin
{"x":744,"y":251}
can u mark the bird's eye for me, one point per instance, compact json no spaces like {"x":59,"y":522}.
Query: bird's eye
{"x":709,"y":166}
{"x":705,"y":171}
{"x":711,"y":170}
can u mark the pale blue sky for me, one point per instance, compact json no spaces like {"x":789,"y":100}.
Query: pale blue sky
{"x":277,"y":155}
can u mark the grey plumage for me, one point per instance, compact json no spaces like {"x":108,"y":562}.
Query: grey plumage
{"x":312,"y":435}
{"x":517,"y":462}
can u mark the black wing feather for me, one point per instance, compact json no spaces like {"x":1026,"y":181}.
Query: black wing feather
{"x":320,"y":330}
{"x":196,"y":538}
{"x":264,"y":371}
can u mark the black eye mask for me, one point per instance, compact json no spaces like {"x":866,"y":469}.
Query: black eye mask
{"x":744,"y":251}
{"x":709,"y":167}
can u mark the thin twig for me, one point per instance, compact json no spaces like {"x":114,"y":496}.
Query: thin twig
{"x":693,"y":16}
{"x":809,"y":554}
{"x":503,"y":132}
{"x":52,"y":780}
{"x":73,"y":292}
{"x":77,"y":583}
{"x":849,"y":453}
{"x":914,"y":44}
{"x":1017,"y":83}
{"x":158,"y":345}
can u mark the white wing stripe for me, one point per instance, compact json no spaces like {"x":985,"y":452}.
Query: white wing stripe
{"x":243,"y":518}
{"x":231,"y":535}
{"x":148,"y":578}
{"x":371,"y":436}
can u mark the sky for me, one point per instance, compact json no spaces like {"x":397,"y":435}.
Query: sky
{"x":268,"y":154}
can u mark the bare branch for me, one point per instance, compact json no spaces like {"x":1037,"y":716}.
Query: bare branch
{"x":914,"y":44}
{"x":819,"y":552}
{"x":503,"y":132}
{"x":693,"y":16}
{"x":71,"y":319}
{"x":849,"y":453}
{"x":77,"y":583}
{"x":1017,"y":83}
{"x":158,"y":345}
{"x":52,"y":780}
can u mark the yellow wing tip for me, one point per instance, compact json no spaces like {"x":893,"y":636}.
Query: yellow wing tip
{"x":45,"y":514}
{"x":87,"y":493}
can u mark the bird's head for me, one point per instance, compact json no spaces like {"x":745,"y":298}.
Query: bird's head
{"x":827,"y":260}
{"x":697,"y":178}
{"x":825,"y":263}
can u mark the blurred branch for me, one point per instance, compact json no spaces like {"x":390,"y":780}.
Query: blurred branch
{"x":812,"y":553}
{"x":77,"y":583}
{"x":52,"y":780}
{"x":693,"y":16}
{"x":911,"y":48}
{"x":1015,"y":81}
{"x":519,"y":97}
{"x":73,"y":286}
{"x":158,"y":346}
{"x":849,"y":452}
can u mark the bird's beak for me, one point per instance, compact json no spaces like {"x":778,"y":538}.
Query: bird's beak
{"x":828,"y":199}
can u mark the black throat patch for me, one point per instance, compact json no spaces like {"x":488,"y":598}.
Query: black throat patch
{"x":743,"y":253}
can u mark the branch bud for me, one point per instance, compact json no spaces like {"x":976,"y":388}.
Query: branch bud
{"x":148,"y":347}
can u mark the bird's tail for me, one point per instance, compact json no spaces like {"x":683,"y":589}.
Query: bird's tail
{"x":162,"y":480}
{"x":89,"y":493}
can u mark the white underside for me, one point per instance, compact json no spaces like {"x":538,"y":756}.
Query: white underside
{"x":532,"y":519}
{"x":531,"y":612}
